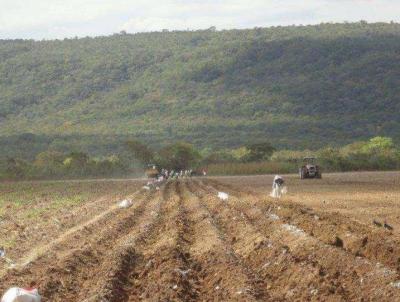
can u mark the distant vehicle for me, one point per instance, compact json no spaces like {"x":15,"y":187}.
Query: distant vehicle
{"x":310,"y":169}
{"x":152,"y":171}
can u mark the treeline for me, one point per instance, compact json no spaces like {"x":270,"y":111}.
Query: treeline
{"x":378,"y":153}
{"x":132,"y":161}
{"x":56,"y":165}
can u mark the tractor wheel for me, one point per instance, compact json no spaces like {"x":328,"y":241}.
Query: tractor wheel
{"x":318,"y":175}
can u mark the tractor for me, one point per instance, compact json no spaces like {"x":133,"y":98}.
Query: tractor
{"x":310,"y":169}
{"x":152,"y":171}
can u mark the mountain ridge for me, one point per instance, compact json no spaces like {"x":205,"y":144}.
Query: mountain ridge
{"x":297,"y":87}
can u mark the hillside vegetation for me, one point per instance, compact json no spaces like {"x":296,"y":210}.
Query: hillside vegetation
{"x":297,"y":87}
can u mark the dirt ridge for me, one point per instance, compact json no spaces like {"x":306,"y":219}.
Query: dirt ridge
{"x":182,"y":243}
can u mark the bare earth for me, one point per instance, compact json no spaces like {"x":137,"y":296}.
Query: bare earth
{"x":182,"y":243}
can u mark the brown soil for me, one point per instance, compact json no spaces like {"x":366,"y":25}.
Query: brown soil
{"x":182,"y":243}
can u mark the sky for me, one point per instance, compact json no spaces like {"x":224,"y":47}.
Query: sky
{"x":57,"y":19}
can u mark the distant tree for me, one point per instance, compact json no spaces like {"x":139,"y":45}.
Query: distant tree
{"x":16,"y":168}
{"x":140,"y":151}
{"x":331,"y":158}
{"x":378,"y":144}
{"x":49,"y":163}
{"x":28,"y":137}
{"x":178,"y":156}
{"x":221,"y":156}
{"x":77,"y":163}
{"x":109,"y":166}
{"x":240,"y":154}
{"x":259,"y":151}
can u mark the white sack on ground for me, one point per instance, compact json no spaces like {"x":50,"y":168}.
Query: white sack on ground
{"x":127,"y":203}
{"x":223,"y":196}
{"x":16,"y":294}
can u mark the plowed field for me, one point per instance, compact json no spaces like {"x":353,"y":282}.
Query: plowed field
{"x":182,"y":243}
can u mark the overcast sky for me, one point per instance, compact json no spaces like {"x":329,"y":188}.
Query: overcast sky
{"x":49,"y":19}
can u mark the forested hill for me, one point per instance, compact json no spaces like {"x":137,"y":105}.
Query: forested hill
{"x":296,"y":87}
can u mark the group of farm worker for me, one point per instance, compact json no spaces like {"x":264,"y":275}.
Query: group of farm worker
{"x":166,"y":174}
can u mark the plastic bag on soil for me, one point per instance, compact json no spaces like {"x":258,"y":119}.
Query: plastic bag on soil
{"x":16,"y":294}
{"x":223,"y":196}
{"x":124,"y":204}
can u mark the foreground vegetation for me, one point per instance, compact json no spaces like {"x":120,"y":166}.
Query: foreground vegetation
{"x":299,"y":87}
{"x":378,"y":153}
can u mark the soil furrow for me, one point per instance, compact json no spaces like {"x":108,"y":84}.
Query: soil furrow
{"x":187,"y":273}
{"x":36,"y":251}
{"x":166,"y":272}
{"x":62,"y":270}
{"x":336,"y":274}
{"x":114,"y":283}
{"x":183,"y":243}
{"x":376,"y":245}
{"x":270,"y":261}
{"x":225,"y":276}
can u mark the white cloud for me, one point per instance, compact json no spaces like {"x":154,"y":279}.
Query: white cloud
{"x":244,"y":14}
{"x":60,"y":18}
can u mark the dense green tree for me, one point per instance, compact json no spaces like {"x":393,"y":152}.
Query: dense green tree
{"x":241,"y":154}
{"x":259,"y":151}
{"x":140,"y":151}
{"x":16,"y":168}
{"x":49,"y":163}
{"x":178,"y":156}
{"x":76,"y":163}
{"x":378,"y":144}
{"x":109,"y":166}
